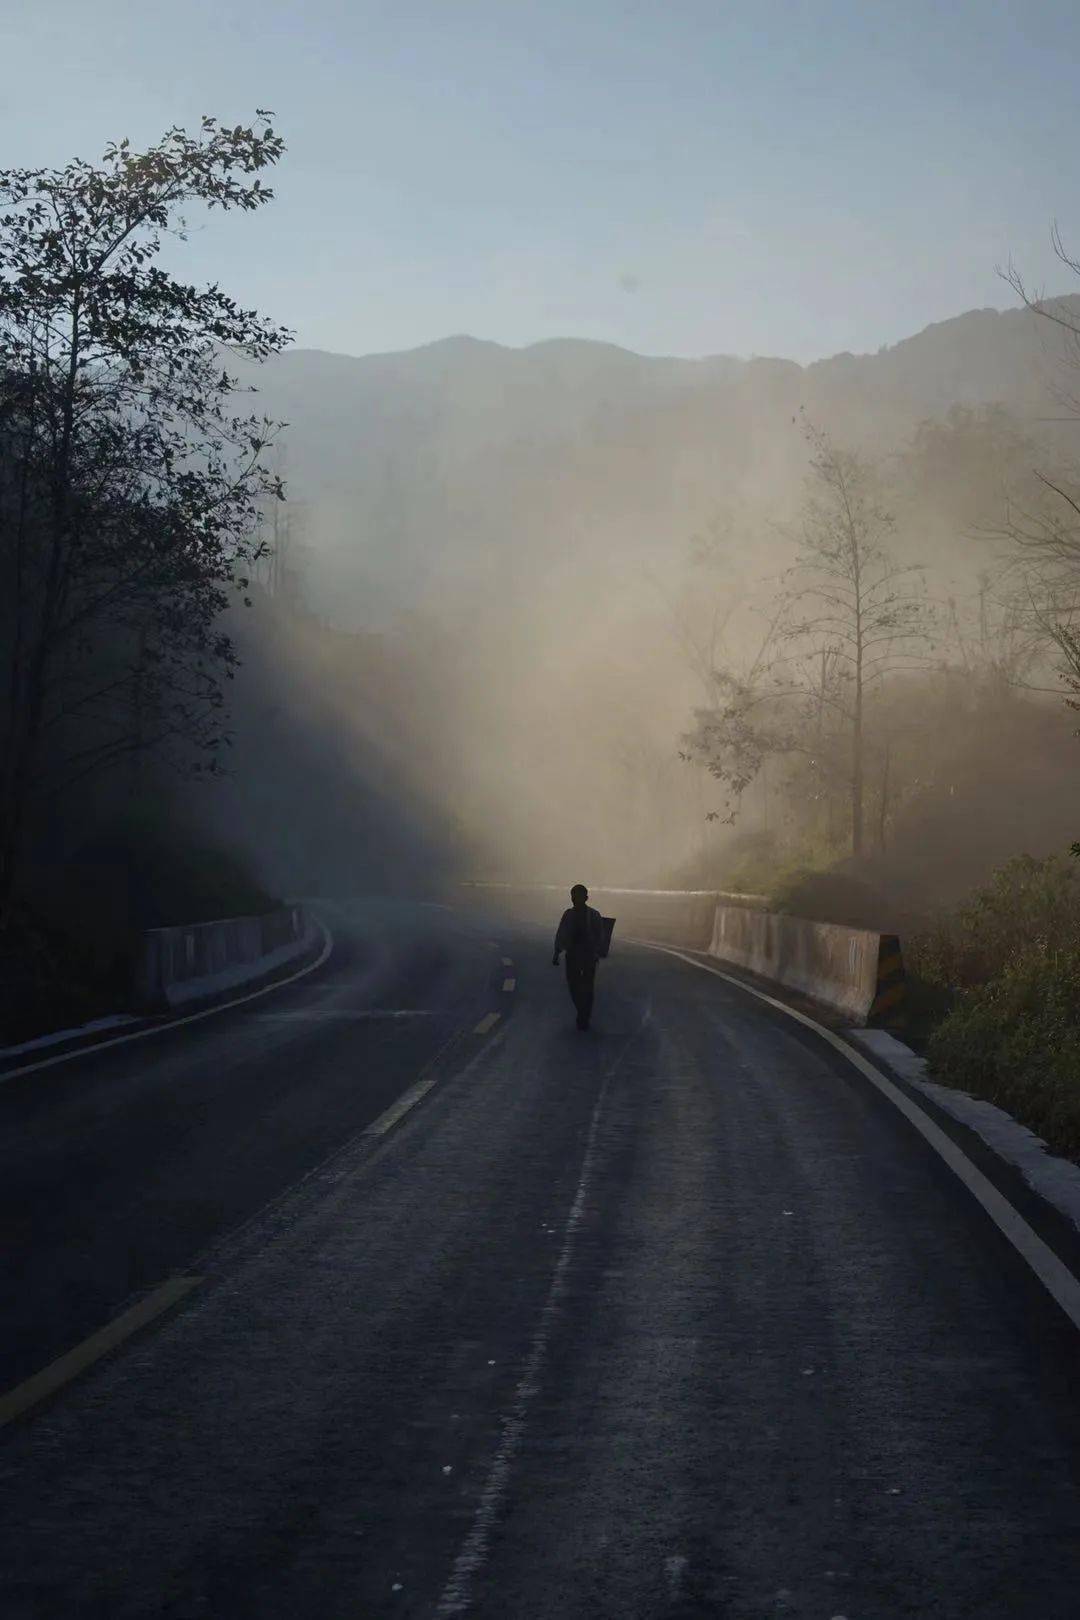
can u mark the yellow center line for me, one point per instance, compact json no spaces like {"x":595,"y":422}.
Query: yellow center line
{"x":37,"y":1388}
{"x":69,"y":1366}
{"x":399,"y":1109}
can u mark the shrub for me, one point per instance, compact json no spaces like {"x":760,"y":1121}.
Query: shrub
{"x":1016,"y":1042}
{"x":1029,"y":904}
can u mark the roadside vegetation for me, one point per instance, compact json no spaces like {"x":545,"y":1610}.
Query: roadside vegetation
{"x":997,"y":987}
{"x":132,"y":492}
{"x":885,"y":740}
{"x":69,"y":947}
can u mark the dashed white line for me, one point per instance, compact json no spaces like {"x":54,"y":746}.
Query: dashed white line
{"x":314,"y":1015}
{"x":509,"y":984}
{"x":14,"y":1402}
{"x":457,"y":1596}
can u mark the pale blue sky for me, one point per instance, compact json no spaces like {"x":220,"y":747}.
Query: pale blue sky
{"x":680,"y":177}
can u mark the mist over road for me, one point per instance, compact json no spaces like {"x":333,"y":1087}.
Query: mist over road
{"x":673,"y":1318}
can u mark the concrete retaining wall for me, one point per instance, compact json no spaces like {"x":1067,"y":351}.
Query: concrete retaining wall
{"x":851,"y":969}
{"x":178,"y":966}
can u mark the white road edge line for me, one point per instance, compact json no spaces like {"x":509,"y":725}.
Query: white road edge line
{"x":1054,"y":1275}
{"x":188,"y":1018}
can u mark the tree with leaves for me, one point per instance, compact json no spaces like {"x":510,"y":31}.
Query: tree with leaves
{"x":130,"y":483}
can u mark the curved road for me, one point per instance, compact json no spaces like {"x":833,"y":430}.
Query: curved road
{"x":676,"y":1318}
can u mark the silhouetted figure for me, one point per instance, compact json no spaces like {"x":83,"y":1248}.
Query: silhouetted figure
{"x":581,"y":935}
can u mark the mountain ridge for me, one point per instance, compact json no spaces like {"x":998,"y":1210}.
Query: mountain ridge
{"x":462,"y":465}
{"x":462,"y":342}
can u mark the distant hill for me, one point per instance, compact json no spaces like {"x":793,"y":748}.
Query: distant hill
{"x":456,"y":463}
{"x":511,"y":528}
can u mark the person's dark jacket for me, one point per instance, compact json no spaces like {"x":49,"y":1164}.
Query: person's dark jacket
{"x":581,"y":932}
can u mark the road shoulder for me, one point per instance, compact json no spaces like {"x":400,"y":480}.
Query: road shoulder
{"x":1040,"y":1189}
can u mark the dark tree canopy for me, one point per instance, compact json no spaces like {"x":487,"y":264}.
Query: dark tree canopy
{"x":130,"y":483}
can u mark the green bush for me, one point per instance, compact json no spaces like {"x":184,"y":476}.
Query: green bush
{"x":760,"y":862}
{"x":1016,"y":1042}
{"x":1028,"y":905}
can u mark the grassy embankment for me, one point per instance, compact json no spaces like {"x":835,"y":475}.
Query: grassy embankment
{"x":1001,"y":977}
{"x":993,"y":984}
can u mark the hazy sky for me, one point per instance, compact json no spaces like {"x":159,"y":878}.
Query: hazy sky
{"x":680,"y":176}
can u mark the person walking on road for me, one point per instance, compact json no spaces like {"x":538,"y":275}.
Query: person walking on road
{"x":581,"y":935}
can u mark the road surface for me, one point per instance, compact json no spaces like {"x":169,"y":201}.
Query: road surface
{"x":674,"y":1318}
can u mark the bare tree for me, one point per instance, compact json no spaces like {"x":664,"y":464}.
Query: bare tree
{"x":1042,"y":538}
{"x":745,"y":721}
{"x":849,"y":595}
{"x":283,"y":524}
{"x":847,"y":616}
{"x":1055,"y":312}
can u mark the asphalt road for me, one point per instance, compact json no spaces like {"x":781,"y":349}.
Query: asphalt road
{"x":674,"y":1318}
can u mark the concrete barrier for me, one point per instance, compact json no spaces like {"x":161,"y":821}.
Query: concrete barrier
{"x":177,"y":966}
{"x":852,"y":970}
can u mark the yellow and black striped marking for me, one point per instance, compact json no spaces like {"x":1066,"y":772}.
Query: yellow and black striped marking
{"x":891,"y":992}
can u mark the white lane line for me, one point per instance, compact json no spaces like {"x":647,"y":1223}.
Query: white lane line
{"x":509,"y":984}
{"x":1055,"y":1276}
{"x":60,"y":1372}
{"x":488,"y":1021}
{"x":508,"y":961}
{"x":457,"y":1595}
{"x":189,"y":1018}
{"x":68,"y":1366}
